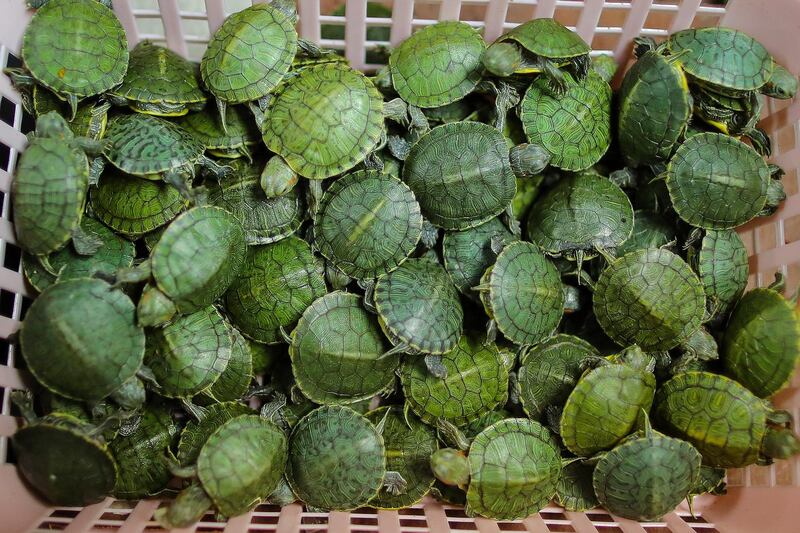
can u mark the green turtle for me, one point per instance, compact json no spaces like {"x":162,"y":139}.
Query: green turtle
{"x":232,"y":141}
{"x":91,"y":117}
{"x":196,"y":431}
{"x":721,"y":264}
{"x":235,"y":380}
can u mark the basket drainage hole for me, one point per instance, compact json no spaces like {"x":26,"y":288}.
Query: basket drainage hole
{"x":5,"y":156}
{"x":12,"y":257}
{"x":7,"y":111}
{"x":7,"y":303}
{"x":13,"y":61}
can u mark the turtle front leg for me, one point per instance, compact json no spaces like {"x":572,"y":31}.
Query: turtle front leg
{"x":209,"y":167}
{"x":312,"y":49}
{"x":394,"y":483}
{"x":507,"y":97}
{"x":556,"y":81}
{"x":435,"y":366}
{"x":760,"y":141}
{"x":188,"y":507}
{"x":582,"y":64}
{"x":177,"y":180}
{"x":430,"y":234}
{"x":337,"y":279}
{"x":369,"y":295}
{"x":85,"y":242}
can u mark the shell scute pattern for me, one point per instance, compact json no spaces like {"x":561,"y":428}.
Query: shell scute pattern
{"x":549,"y":38}
{"x":723,"y":267}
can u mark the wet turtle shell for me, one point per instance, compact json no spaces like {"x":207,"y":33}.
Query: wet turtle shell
{"x":722,"y":266}
{"x":337,"y":459}
{"x":418,"y":306}
{"x":206,"y":127}
{"x":651,"y":298}
{"x":476,"y":383}
{"x":235,"y":380}
{"x":195,"y":434}
{"x":438,"y":64}
{"x":340,"y":123}
{"x":367,"y":224}
{"x":575,"y":491}
{"x":277,"y":283}
{"x":650,"y":230}
{"x":80,"y":339}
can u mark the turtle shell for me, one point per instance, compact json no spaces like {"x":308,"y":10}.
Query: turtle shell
{"x":325,"y":120}
{"x":75,"y":47}
{"x":233,"y":383}
{"x":367,"y":224}
{"x":86,"y":478}
{"x":574,"y":127}
{"x":761,"y":346}
{"x":160,"y":82}
{"x":190,"y":353}
{"x":723,"y":57}
{"x":482,"y":422}
{"x":722,"y":419}
{"x":651,"y":298}
{"x":655,"y":106}
{"x":546,"y":37}
{"x":522,"y":269}
{"x":409,"y":444}
{"x":717,"y":182}
{"x":132,"y":206}
{"x":195,"y":434}
{"x":143,"y":144}
{"x":476,"y":383}
{"x":646,"y":478}
{"x":575,"y":491}
{"x":514,"y":467}
{"x":91,"y":348}
{"x":580,"y":214}
{"x":438,"y":64}
{"x":206,"y":127}
{"x":722,"y":266}
{"x":337,"y":459}
{"x":249,"y":54}
{"x":277,"y":283}
{"x":460,"y":174}
{"x":418,"y":305}
{"x":198,"y":256}
{"x":90,"y":118}
{"x":650,"y":230}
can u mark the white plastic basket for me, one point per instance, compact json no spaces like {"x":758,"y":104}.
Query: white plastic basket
{"x":759,"y":499}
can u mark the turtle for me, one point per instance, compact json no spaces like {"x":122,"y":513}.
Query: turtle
{"x":49,"y":189}
{"x":159,"y":82}
{"x":418,"y":308}
{"x":781,"y":85}
{"x":650,"y":230}
{"x":90,"y":119}
{"x":235,"y":380}
{"x":761,"y":344}
{"x":575,"y":491}
{"x":549,"y":371}
{"x":132,"y":206}
{"x":541,"y":45}
{"x":277,"y":283}
{"x":476,"y":383}
{"x":409,"y":444}
{"x":522,"y":268}
{"x":277,"y":177}
{"x":510,"y":471}
{"x":337,"y":460}
{"x":654,"y":110}
{"x":367,"y":224}
{"x":139,"y":455}
{"x":463,"y":109}
{"x":605,"y":405}
{"x":231,"y":142}
{"x":729,"y":425}
{"x":80,"y":339}
{"x":581,"y":214}
{"x":721,"y":264}
{"x":337,"y":351}
{"x":462,"y":173}
{"x":482,"y":422}
{"x":437,"y":65}
{"x":573,"y":127}
{"x":733,"y":115}
{"x":195,"y":433}
{"x":647,"y":476}
{"x":649,"y":297}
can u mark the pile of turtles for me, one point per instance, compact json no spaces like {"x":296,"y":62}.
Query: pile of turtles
{"x":478,"y":275}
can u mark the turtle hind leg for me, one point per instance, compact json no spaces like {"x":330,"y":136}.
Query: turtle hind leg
{"x":581,"y":65}
{"x":394,"y":483}
{"x":556,"y":81}
{"x":188,"y":507}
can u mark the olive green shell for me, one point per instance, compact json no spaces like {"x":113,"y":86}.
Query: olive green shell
{"x":325,"y":120}
{"x":514,"y":467}
{"x":418,"y":305}
{"x":574,"y":127}
{"x":460,"y":174}
{"x":249,"y":54}
{"x":198,"y":256}
{"x":438,"y":64}
{"x":722,"y":266}
{"x":87,"y":477}
{"x":575,"y":491}
{"x":277,"y":283}
{"x":337,"y":349}
{"x":75,"y":47}
{"x":235,"y":380}
{"x":761,"y":346}
{"x":722,"y":419}
{"x":206,"y":127}
{"x":646,"y":478}
{"x":522,"y":293}
{"x":367,"y":224}
{"x":546,"y":37}
{"x":476,"y":383}
{"x":337,"y":459}
{"x":80,"y":339}
{"x":717,"y":182}
{"x":580,"y":214}
{"x":655,"y":106}
{"x":650,"y":230}
{"x":195,"y":434}
{"x":651,"y":298}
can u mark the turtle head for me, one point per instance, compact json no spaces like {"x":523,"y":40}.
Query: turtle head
{"x":502,"y":59}
{"x":53,"y":125}
{"x":635,"y":357}
{"x":277,"y":178}
{"x":528,"y":160}
{"x":780,"y":443}
{"x":450,"y":466}
{"x":782,"y":84}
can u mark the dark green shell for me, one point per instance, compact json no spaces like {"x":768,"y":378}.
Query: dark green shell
{"x":206,"y":127}
{"x":195,"y":434}
{"x":234,"y":382}
{"x":80,"y":339}
{"x":476,"y":383}
{"x":277,"y":283}
{"x":722,"y":266}
{"x":337,"y":459}
{"x":438,"y":64}
{"x":651,"y":298}
{"x":367,"y":224}
{"x":650,"y":230}
{"x":418,"y":305}
{"x":575,"y":490}
{"x":546,"y":37}
{"x":460,"y":174}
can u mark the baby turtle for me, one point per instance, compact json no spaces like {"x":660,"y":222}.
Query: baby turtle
{"x":230,"y":142}
{"x":235,"y":380}
{"x":196,"y":432}
{"x":722,"y":267}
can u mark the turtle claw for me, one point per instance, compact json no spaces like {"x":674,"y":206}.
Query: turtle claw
{"x":394,"y":483}
{"x":85,"y":242}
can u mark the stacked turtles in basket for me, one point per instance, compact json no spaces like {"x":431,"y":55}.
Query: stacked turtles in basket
{"x":272,"y":278}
